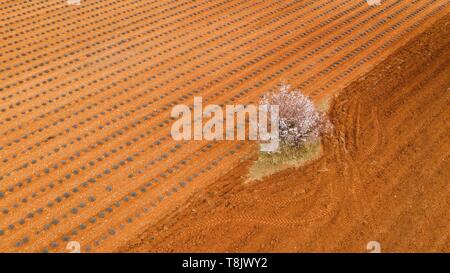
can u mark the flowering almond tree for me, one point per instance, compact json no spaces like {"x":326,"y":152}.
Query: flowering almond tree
{"x":299,"y":123}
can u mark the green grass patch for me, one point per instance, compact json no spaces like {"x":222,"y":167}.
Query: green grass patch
{"x":287,"y":157}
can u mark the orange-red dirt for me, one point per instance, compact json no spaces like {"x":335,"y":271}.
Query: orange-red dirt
{"x":384,"y":175}
{"x":86,"y":153}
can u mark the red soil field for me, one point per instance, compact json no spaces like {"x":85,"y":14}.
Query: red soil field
{"x":86,"y":153}
{"x":383,"y":175}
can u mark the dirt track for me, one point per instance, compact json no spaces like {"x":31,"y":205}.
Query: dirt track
{"x":383,"y":176}
{"x":86,"y":92}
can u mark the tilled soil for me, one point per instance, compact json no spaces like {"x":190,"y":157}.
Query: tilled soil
{"x":86,"y":93}
{"x":383,"y":175}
